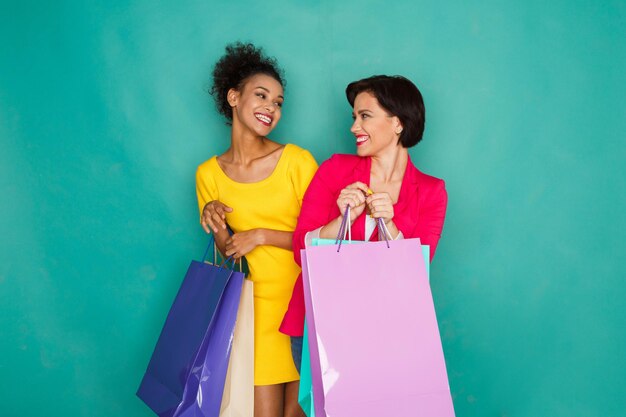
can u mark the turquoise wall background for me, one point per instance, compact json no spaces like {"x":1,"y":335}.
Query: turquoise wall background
{"x":104,"y":118}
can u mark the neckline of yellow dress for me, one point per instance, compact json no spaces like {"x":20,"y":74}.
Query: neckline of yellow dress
{"x":266,"y":179}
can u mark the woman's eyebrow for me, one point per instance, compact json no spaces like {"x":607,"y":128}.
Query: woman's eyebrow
{"x":268,"y":91}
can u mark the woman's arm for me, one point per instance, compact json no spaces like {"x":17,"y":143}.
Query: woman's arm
{"x":213,"y":220}
{"x":242,"y":243}
{"x":318,"y":206}
{"x":432,"y":214}
{"x":212,"y":211}
{"x":330,"y":230}
{"x":277,"y":238}
{"x":353,"y":196}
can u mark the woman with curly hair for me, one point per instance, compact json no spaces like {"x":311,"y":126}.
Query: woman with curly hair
{"x":255,"y":188}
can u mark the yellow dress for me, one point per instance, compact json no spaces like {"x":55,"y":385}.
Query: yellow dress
{"x":272,"y":203}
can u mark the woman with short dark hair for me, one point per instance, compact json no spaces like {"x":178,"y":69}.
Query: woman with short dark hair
{"x":400,"y":97}
{"x":379,"y":182}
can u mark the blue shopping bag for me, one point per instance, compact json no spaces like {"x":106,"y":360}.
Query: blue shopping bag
{"x":186,"y":374}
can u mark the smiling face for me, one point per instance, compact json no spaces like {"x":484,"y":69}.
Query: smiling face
{"x":257,"y":105}
{"x":375,"y":130}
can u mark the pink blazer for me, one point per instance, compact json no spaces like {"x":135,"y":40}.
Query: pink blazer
{"x":419,"y":212}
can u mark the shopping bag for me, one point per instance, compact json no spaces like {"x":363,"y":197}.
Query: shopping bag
{"x":373,"y":332}
{"x":305,"y":392}
{"x":185,"y":331}
{"x":238,"y":397}
{"x":203,"y":391}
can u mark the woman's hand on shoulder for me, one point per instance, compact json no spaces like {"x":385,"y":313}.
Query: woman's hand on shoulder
{"x":380,"y":206}
{"x":354,"y":196}
{"x":214,"y":216}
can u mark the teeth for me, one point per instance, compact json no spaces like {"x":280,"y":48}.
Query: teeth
{"x":361,"y":139}
{"x":263,"y":118}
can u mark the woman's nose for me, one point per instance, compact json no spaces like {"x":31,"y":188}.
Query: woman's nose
{"x":355,"y":126}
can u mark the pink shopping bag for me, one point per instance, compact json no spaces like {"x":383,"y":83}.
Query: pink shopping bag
{"x":376,"y":348}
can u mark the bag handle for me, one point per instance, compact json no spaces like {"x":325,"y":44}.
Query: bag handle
{"x":383,"y":231}
{"x":346,"y":230}
{"x":225,"y":261}
{"x":211,"y":243}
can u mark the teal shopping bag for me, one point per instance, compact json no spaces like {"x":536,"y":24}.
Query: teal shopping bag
{"x":305,"y":393}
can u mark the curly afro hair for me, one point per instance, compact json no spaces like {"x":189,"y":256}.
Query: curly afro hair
{"x":241,"y":61}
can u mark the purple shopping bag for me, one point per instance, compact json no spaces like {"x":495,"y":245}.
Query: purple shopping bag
{"x":205,"y":384}
{"x":376,"y":342}
{"x":191,"y":323}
